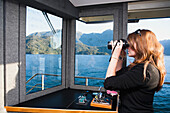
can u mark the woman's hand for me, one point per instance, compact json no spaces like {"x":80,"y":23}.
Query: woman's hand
{"x":122,"y":54}
{"x":115,"y":64}
{"x":117,"y":46}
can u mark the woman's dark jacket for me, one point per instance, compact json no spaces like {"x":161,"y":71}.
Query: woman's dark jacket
{"x":136,"y":94}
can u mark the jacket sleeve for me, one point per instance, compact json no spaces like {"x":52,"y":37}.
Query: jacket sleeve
{"x":130,"y":79}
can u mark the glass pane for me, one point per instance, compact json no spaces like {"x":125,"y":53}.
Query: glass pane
{"x":161,"y":29}
{"x":92,"y":54}
{"x":43,"y":50}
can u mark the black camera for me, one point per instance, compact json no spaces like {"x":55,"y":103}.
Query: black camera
{"x":125,"y":44}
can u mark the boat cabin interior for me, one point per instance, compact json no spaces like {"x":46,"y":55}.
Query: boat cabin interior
{"x":70,"y":91}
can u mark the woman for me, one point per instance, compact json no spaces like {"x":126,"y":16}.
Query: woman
{"x":139,"y":81}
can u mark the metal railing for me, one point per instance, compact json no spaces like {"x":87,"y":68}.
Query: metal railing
{"x":43,"y":80}
{"x":87,"y":78}
{"x":35,"y":86}
{"x":166,"y":82}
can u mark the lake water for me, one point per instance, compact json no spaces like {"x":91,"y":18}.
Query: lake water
{"x":90,"y":66}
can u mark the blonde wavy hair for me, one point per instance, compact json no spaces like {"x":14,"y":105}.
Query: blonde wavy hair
{"x":148,"y":50}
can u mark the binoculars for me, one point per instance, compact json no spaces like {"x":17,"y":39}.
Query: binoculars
{"x":125,"y":44}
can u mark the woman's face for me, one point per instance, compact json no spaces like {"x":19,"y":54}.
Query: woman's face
{"x":131,"y":52}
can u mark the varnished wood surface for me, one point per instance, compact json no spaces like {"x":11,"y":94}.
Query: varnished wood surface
{"x":101,"y":105}
{"x":46,"y":110}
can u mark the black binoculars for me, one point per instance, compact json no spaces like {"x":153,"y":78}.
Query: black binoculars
{"x":125,"y":44}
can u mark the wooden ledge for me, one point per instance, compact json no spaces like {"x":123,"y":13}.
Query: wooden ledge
{"x":46,"y":110}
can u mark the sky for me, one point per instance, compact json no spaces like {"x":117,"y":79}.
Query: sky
{"x":159,"y":26}
{"x":37,"y":23}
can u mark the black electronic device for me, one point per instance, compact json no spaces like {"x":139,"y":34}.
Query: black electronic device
{"x":125,"y":44}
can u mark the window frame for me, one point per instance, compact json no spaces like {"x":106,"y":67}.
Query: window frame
{"x":119,"y":13}
{"x":25,"y":97}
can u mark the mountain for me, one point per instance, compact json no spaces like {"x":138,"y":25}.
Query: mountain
{"x":83,"y":49}
{"x":166,"y":44}
{"x":86,"y":44}
{"x":97,"y":39}
{"x":44,"y":43}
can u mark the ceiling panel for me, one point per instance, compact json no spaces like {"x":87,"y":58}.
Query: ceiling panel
{"x":78,"y":3}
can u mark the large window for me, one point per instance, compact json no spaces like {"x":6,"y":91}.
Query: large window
{"x":92,"y":55}
{"x":43,"y":50}
{"x":161,"y":29}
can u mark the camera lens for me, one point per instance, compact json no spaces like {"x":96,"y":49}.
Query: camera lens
{"x":125,"y":44}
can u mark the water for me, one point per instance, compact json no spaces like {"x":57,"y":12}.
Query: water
{"x":89,"y":66}
{"x":47,"y":64}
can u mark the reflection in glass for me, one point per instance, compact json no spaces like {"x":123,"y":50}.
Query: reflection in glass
{"x":43,"y":50}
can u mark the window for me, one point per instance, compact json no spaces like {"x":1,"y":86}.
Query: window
{"x":92,"y":55}
{"x":43,"y":50}
{"x":161,"y":29}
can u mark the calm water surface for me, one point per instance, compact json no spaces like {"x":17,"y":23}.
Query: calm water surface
{"x":91,"y":66}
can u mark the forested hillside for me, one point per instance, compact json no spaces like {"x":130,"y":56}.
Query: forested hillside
{"x":86,"y":44}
